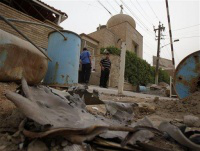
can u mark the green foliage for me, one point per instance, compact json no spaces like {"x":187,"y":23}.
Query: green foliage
{"x":139,"y":72}
{"x":163,"y":76}
{"x":112,"y":50}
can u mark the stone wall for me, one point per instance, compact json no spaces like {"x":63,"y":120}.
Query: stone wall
{"x":38,"y":34}
{"x":114,"y":74}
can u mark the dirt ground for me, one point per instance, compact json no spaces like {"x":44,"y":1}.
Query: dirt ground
{"x":155,"y":109}
{"x":159,"y":110}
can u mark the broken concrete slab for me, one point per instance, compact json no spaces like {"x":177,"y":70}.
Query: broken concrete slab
{"x":37,"y":145}
{"x":65,"y":117}
{"x":120,"y":111}
{"x":146,"y":107}
{"x":177,"y":135}
{"x":192,"y":121}
{"x":91,"y":98}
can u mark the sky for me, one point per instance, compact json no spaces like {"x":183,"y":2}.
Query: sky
{"x":84,"y":16}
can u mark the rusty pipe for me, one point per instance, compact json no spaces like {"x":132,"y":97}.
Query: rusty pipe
{"x":35,"y":23}
{"x":11,"y":25}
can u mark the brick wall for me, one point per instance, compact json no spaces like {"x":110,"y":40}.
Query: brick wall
{"x":105,"y":38}
{"x":38,"y":34}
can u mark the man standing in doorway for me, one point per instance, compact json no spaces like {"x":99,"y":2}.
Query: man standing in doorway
{"x":105,"y":70}
{"x":86,"y":65}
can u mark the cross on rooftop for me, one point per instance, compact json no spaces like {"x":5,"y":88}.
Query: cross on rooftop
{"x":121,"y":6}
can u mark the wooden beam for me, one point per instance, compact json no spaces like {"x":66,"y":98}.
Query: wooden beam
{"x":37,"y":11}
{"x":21,"y":7}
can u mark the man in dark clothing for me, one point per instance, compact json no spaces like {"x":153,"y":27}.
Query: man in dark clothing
{"x":105,"y":70}
{"x":86,"y":65}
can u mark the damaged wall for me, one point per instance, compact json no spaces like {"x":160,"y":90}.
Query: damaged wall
{"x":38,"y":34}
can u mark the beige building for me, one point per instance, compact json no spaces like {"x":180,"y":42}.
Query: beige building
{"x":119,"y":28}
{"x":34,"y":11}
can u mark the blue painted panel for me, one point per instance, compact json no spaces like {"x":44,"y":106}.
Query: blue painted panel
{"x":187,"y":75}
{"x":65,"y":55}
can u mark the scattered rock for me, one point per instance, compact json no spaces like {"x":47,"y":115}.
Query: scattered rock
{"x":74,"y":147}
{"x":64,"y":143}
{"x":146,"y":107}
{"x":156,"y":99}
{"x":37,"y":145}
{"x":191,"y":121}
{"x":21,"y":146}
{"x":2,"y":148}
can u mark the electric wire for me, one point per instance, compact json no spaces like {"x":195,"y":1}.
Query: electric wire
{"x":111,"y":6}
{"x":147,"y":31}
{"x":142,"y":8}
{"x":152,"y":10}
{"x":141,"y":14}
{"x":185,"y":37}
{"x":135,"y":16}
{"x":105,"y":8}
{"x":186,"y":27}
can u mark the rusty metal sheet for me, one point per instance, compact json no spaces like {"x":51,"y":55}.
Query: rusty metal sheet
{"x":18,"y":58}
{"x":187,"y":75}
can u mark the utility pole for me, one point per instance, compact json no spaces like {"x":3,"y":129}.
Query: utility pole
{"x":170,"y":33}
{"x":159,"y":29}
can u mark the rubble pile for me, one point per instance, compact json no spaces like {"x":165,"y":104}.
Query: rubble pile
{"x":50,"y":119}
{"x":189,"y":105}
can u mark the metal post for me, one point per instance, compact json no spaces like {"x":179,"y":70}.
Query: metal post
{"x":122,"y":68}
{"x":6,"y":21}
{"x":35,"y":23}
{"x":170,"y":86}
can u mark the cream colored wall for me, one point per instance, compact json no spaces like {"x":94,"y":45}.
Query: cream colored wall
{"x":133,"y":36}
{"x":114,"y":74}
{"x":119,"y":30}
{"x":105,"y":38}
{"x":130,"y":35}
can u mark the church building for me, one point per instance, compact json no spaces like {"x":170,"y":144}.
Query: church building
{"x":119,"y":28}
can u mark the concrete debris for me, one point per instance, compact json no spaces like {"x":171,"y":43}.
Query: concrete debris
{"x":120,"y":111}
{"x":57,"y":120}
{"x":37,"y":145}
{"x":146,"y":107}
{"x":66,"y":117}
{"x":143,"y":135}
{"x":155,"y":87}
{"x":90,"y":98}
{"x":177,"y":135}
{"x":163,"y":85}
{"x":74,"y":147}
{"x":191,"y":121}
{"x":95,"y":108}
